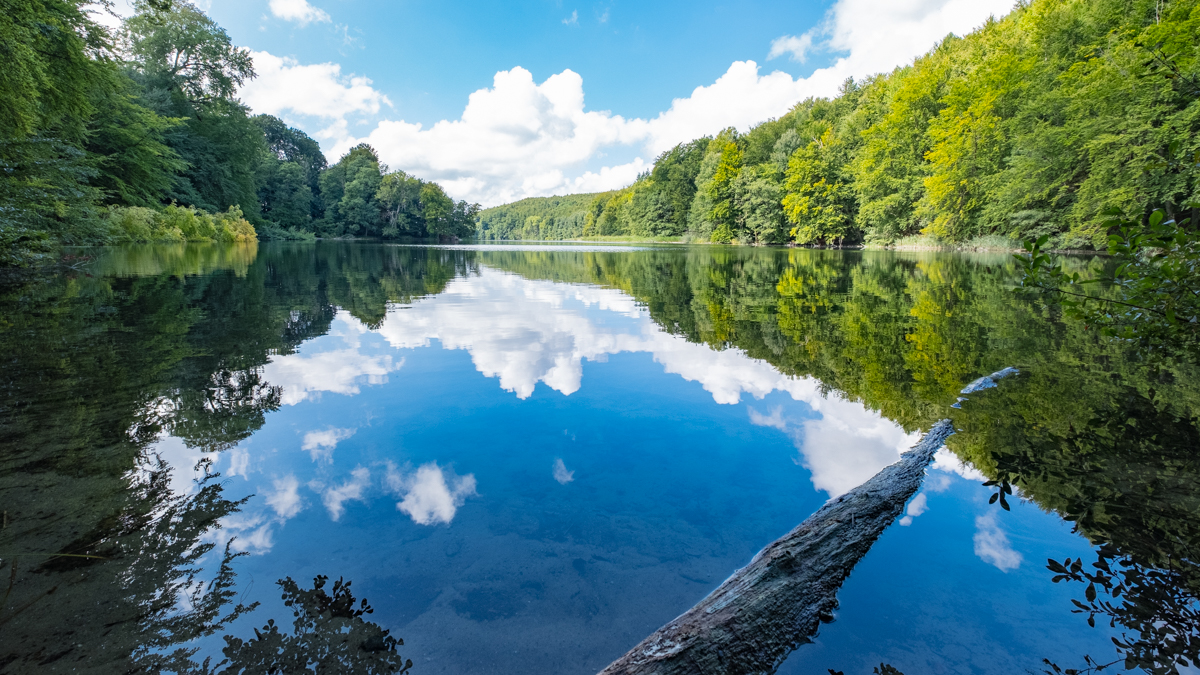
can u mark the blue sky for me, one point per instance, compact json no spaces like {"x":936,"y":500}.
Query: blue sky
{"x":501,"y":101}
{"x":634,"y":57}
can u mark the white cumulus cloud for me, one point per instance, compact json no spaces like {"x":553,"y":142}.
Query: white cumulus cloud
{"x":878,"y":35}
{"x":429,"y":496}
{"x":515,"y":139}
{"x":299,"y":11}
{"x":520,"y":138}
{"x":991,"y":544}
{"x":284,"y":86}
{"x":797,"y":47}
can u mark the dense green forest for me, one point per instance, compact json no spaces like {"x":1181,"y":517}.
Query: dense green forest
{"x":1034,"y":124}
{"x":137,"y":135}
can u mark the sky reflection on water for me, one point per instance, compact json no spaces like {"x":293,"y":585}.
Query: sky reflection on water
{"x":530,"y":476}
{"x":529,"y":460}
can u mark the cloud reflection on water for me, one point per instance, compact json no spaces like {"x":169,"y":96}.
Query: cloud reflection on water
{"x":350,"y":490}
{"x":843,"y":447}
{"x":527,"y":331}
{"x":429,"y":497}
{"x":561,"y":474}
{"x":285,"y":500}
{"x":523,"y":332}
{"x":320,"y":444}
{"x":919,"y":505}
{"x":342,"y":371}
{"x":992,"y":546}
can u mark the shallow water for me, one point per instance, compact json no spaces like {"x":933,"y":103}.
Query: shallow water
{"x":530,"y":458}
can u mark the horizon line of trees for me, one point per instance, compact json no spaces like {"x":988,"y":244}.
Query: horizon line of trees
{"x":1034,"y":124}
{"x":95,"y":122}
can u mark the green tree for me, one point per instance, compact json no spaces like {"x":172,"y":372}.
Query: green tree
{"x":46,"y":99}
{"x":721,"y":194}
{"x":349,"y":188}
{"x":890,"y":170}
{"x":818,"y":203}
{"x":190,"y":69}
{"x":127,"y":146}
{"x":399,"y":197}
{"x":285,"y":197}
{"x":758,"y":199}
{"x":289,"y":144}
{"x":674,"y":179}
{"x":438,"y":210}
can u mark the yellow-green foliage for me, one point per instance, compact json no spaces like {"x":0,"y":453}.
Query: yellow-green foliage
{"x":232,"y":226}
{"x":139,"y":224}
{"x":720,"y":191}
{"x":174,"y":223}
{"x":178,"y":260}
{"x":1034,"y":124}
{"x":816,"y":202}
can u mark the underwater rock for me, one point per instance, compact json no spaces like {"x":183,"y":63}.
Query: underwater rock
{"x":766,"y":609}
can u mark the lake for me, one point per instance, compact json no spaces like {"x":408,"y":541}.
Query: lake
{"x":529,"y":458}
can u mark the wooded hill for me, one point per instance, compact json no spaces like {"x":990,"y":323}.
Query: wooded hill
{"x":1036,"y":123}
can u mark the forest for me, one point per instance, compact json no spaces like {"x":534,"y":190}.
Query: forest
{"x":137,"y":135}
{"x":1038,"y":123}
{"x":1034,"y":124}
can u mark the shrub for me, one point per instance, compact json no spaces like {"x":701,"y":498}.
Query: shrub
{"x":136,"y":224}
{"x":231,"y":226}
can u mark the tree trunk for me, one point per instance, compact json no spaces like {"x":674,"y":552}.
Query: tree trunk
{"x":778,"y":601}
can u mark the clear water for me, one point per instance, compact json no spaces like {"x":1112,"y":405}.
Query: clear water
{"x":529,"y":458}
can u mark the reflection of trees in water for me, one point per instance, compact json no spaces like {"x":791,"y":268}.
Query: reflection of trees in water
{"x":119,"y":595}
{"x":131,"y":595}
{"x":98,"y":368}
{"x":329,"y":635}
{"x":1123,"y":469}
{"x":102,"y":561}
{"x":1102,"y":438}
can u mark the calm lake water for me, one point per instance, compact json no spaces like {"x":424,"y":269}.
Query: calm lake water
{"x":528,"y":458}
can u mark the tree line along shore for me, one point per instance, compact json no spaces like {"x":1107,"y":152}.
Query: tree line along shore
{"x":1038,"y":123}
{"x":137,"y":135}
{"x":1034,"y":124}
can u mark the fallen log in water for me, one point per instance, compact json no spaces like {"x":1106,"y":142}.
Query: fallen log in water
{"x":777,"y":602}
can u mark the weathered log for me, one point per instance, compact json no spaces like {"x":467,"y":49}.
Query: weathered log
{"x":778,"y":601}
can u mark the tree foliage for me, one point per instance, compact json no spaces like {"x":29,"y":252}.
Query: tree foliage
{"x":1146,"y":295}
{"x":1034,"y":124}
{"x":150,"y":118}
